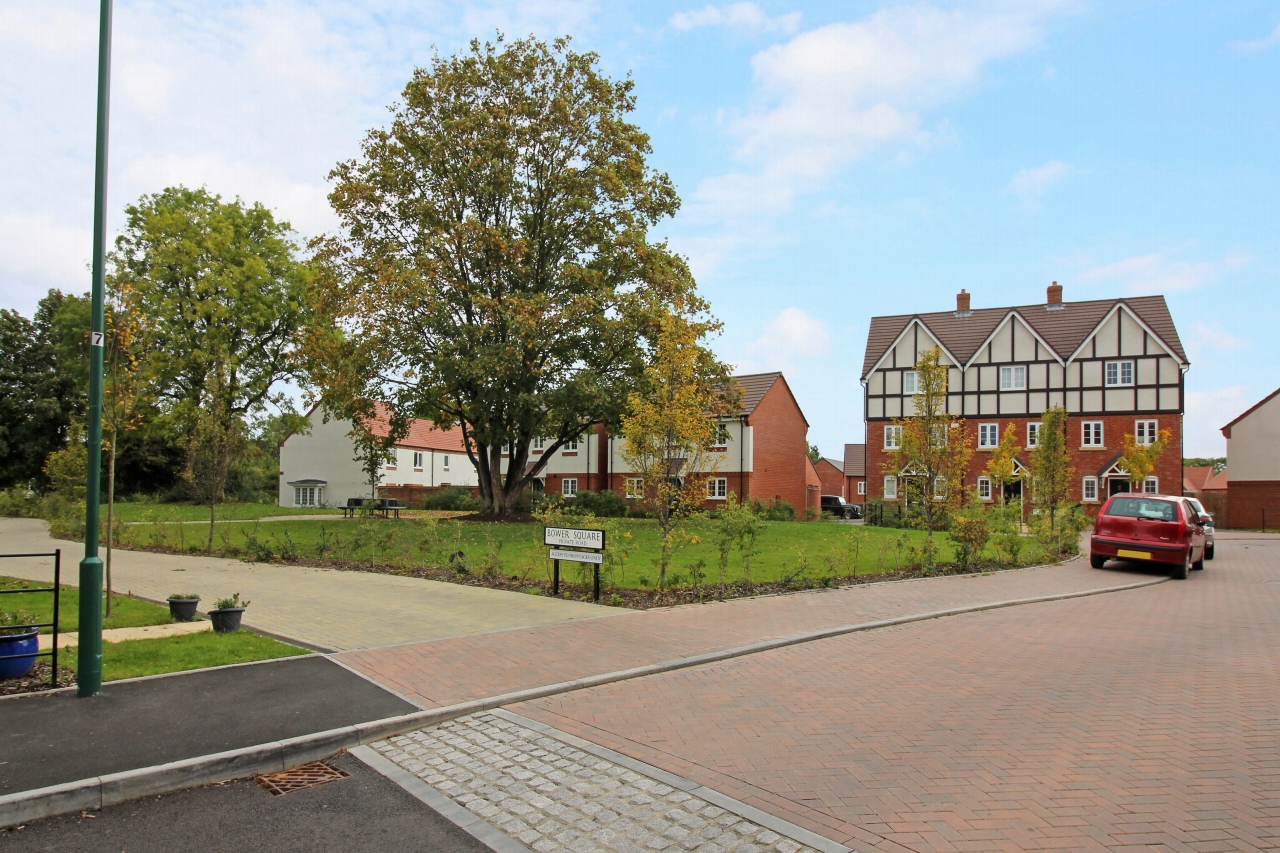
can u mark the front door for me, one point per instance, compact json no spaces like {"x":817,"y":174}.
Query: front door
{"x":1117,"y":485}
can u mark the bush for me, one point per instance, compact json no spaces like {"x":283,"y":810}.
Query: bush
{"x":453,"y":498}
{"x":21,"y":503}
{"x":779,"y":510}
{"x":881,"y":514}
{"x":604,"y":504}
{"x":969,"y":530}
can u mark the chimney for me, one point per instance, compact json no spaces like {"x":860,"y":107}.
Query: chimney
{"x":1054,"y":297}
{"x":962,"y":303}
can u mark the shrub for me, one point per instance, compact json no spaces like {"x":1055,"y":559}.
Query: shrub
{"x":779,"y":510}
{"x":604,"y":504}
{"x":17,"y":622}
{"x":230,"y":603}
{"x":970,"y":532}
{"x":185,"y":596}
{"x":453,"y":498}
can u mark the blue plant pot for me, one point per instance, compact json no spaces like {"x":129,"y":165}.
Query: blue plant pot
{"x":25,"y":644}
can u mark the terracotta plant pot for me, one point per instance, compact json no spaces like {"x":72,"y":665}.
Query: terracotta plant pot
{"x":25,"y":645}
{"x":183,"y":609}
{"x":226,"y":621}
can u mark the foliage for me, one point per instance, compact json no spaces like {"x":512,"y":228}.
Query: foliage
{"x":671,"y":424}
{"x":1060,"y":539}
{"x":1005,"y":524}
{"x":933,"y":455}
{"x":1217,"y":463}
{"x":815,"y":455}
{"x":737,"y":527}
{"x":231,"y":603}
{"x":1001,"y":467}
{"x":190,"y":651}
{"x":493,"y":270}
{"x":1049,"y":466}
{"x":66,"y":470}
{"x":779,"y":510}
{"x":453,"y":498}
{"x":1140,"y":459}
{"x":17,"y":622}
{"x":602,"y":504}
{"x":970,"y":531}
{"x":184,"y":596}
{"x":373,"y":451}
{"x":126,"y":612}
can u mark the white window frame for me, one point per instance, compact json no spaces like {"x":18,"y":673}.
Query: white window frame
{"x":417,"y":460}
{"x":634,"y":488}
{"x":1151,"y":486}
{"x":1089,"y":485}
{"x":891,"y":488}
{"x":571,"y":446}
{"x":446,"y":462}
{"x":862,"y":487}
{"x":892,"y":437}
{"x":717,"y":488}
{"x":1145,"y":432}
{"x":1033,"y":434}
{"x":1091,"y":434}
{"x":939,"y":488}
{"x":988,"y":436}
{"x":1120,"y":377}
{"x":569,"y":486}
{"x":393,"y":459}
{"x":984,"y":488}
{"x":910,"y":378}
{"x":1013,"y":378}
{"x":308,"y":495}
{"x":538,"y":443}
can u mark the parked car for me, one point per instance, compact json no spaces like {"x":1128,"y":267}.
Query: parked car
{"x":1209,"y":527}
{"x":838,"y":506}
{"x":1154,"y":528}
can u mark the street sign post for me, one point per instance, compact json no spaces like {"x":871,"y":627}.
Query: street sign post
{"x":562,"y":538}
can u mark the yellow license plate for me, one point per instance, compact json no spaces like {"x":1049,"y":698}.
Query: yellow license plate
{"x":1133,"y":555}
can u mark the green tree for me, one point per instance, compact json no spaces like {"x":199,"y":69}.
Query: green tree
{"x":671,"y":424}
{"x":373,"y":451}
{"x":494,"y":270}
{"x":1049,"y":467}
{"x":815,"y":455}
{"x":1001,"y":467}
{"x":1140,"y":459}
{"x":933,"y":455}
{"x":220,"y":297}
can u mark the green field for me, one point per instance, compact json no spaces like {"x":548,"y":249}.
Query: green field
{"x":813,"y":549}
{"x":125,"y":612}
{"x":130,"y":512}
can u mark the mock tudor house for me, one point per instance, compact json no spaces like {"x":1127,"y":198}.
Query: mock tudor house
{"x":1253,"y":460}
{"x":855,"y":473}
{"x":1116,"y":365}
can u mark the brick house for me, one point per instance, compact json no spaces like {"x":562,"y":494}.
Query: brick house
{"x":765,"y":454}
{"x":831,"y":475}
{"x":855,"y":473}
{"x":1116,"y":365}
{"x":1253,"y":460}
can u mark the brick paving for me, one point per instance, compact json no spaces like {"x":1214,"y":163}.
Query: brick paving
{"x":1140,"y":720}
{"x":463,"y":668}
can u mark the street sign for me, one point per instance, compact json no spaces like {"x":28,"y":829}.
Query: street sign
{"x":573,"y":537}
{"x":576,"y":556}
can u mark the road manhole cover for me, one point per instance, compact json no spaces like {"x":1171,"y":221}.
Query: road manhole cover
{"x":306,"y":776}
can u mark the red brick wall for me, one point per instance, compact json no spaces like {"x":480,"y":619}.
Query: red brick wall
{"x":781,"y":448}
{"x":1086,"y":461}
{"x":851,"y":490}
{"x":1246,"y":500}
{"x":833,"y":479}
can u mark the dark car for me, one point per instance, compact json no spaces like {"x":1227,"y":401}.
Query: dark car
{"x":838,"y":507}
{"x":1152,"y":528}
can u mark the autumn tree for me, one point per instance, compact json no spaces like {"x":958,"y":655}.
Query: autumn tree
{"x":219,"y":295}
{"x":1049,"y":466}
{"x":673,"y":421}
{"x":933,"y":453}
{"x":1140,"y":459}
{"x":373,"y":451}
{"x":1002,"y":466}
{"x":493,"y":269}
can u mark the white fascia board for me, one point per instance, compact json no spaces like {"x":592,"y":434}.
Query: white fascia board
{"x":914,"y":322}
{"x":1007,"y":318}
{"x":1182,"y":365}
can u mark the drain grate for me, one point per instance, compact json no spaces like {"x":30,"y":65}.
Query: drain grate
{"x":299,"y":778}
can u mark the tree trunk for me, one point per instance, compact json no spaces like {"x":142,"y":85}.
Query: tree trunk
{"x":213,"y":507}
{"x":111,"y":504}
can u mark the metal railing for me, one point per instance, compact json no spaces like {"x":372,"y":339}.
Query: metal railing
{"x":52,"y":652}
{"x":1275,"y":512}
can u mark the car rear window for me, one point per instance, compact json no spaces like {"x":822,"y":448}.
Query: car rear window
{"x":1143,"y":508}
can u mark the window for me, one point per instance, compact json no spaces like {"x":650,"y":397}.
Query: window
{"x":717,"y":488}
{"x":862,"y":487}
{"x":391,"y":459}
{"x":984,"y":488}
{"x":417,"y":460}
{"x":1151,"y":486}
{"x":1013,"y":378}
{"x":635,"y":487}
{"x":891,"y":488}
{"x":1118,"y":373}
{"x":1090,"y":489}
{"x":892,"y":437}
{"x":988,"y":436}
{"x":1033,"y":435}
{"x":939,"y":434}
{"x":446,"y":463}
{"x":308,"y":495}
{"x":910,"y":382}
{"x":571,"y":447}
{"x":1091,"y":434}
{"x":1145,"y":432}
{"x":721,"y":444}
{"x":539,"y":443}
{"x":569,"y":486}
{"x":939,"y":488}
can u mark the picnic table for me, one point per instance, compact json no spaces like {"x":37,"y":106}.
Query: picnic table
{"x":370,"y":507}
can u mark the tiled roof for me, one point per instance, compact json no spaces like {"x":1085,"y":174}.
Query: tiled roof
{"x":855,"y":460}
{"x":834,"y":463}
{"x":1194,"y":478}
{"x":754,"y":386}
{"x":422,"y":433}
{"x":1217,"y":482}
{"x":1063,"y":330}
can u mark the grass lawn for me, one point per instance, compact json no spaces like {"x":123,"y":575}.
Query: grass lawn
{"x":188,"y":651}
{"x":125,"y":612}
{"x":133,"y":512}
{"x":784,"y":548}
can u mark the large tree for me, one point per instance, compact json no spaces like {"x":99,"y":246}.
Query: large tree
{"x":219,"y":297}
{"x":493,"y":270}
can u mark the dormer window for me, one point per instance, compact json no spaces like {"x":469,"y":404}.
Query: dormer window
{"x":1013,"y":378}
{"x":1118,"y":373}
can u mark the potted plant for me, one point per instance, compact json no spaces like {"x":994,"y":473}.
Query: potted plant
{"x":18,"y":636}
{"x":226,"y":614}
{"x":182,"y":606}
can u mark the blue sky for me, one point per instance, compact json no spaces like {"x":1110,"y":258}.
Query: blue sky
{"x":836,"y":161}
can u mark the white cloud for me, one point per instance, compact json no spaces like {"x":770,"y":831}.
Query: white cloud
{"x":1265,"y":43}
{"x":1207,"y":413}
{"x":741,"y":16}
{"x":1202,"y":336}
{"x":1150,"y":274}
{"x":791,"y":336}
{"x":1030,"y":185}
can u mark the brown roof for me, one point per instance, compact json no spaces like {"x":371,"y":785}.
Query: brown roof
{"x":834,"y":463}
{"x":855,"y":460}
{"x":1062,"y":330}
{"x":1226,"y":430}
{"x":422,"y":433}
{"x":754,"y":386}
{"x":1194,"y":477}
{"x":1218,"y":482}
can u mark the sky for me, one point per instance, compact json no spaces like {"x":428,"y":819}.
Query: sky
{"x":836,"y":161}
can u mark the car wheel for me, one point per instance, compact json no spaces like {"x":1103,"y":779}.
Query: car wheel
{"x":1198,"y":565}
{"x":1208,"y":553}
{"x":1096,"y":561}
{"x":1180,"y":572}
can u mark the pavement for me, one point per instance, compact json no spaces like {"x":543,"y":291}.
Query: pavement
{"x":364,"y":813}
{"x":48,"y":739}
{"x":323,"y":608}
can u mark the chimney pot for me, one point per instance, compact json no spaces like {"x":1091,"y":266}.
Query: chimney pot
{"x":1055,"y":294}
{"x":962,"y":302}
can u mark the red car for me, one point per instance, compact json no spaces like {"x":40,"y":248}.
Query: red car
{"x":1152,"y":528}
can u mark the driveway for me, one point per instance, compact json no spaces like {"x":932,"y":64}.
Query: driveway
{"x":326,"y":609}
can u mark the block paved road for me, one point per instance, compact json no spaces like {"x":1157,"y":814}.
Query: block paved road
{"x":1138,"y":720}
{"x":326,"y":609}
